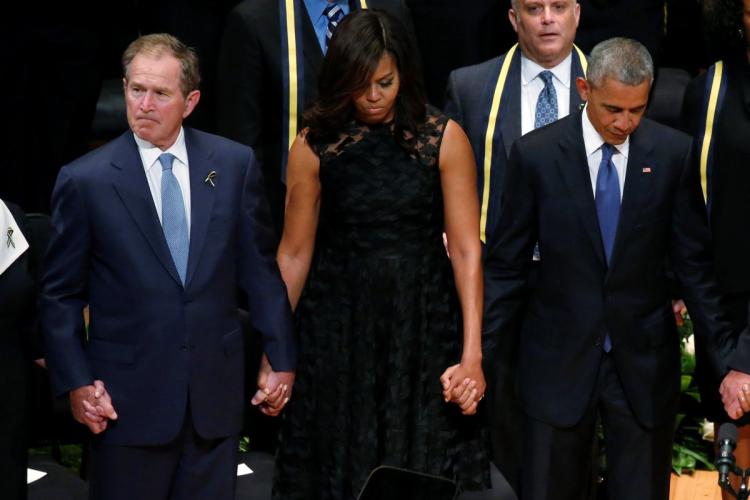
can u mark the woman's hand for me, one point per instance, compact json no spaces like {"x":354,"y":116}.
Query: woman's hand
{"x":464,"y":385}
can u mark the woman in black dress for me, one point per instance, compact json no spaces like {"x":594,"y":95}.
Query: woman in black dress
{"x":389,"y":326}
{"x":18,"y":272}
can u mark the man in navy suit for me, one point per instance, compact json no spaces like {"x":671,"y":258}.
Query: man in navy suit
{"x":157,"y":232}
{"x":611,"y":197}
{"x":496,"y":102}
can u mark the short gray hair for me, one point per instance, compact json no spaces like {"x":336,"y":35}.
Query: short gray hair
{"x":158,"y":44}
{"x":621,"y":59}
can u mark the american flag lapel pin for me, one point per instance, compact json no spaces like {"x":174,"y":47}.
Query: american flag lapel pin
{"x":646,"y":170}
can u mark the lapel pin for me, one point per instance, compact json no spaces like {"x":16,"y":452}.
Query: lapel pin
{"x":10,"y":238}
{"x":210,"y":178}
{"x":646,"y":170}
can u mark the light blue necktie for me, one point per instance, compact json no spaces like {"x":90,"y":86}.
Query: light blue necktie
{"x":546,"y":104}
{"x":335,"y":14}
{"x":607,"y":208}
{"x":173,"y":220}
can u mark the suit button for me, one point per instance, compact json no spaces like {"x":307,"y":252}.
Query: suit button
{"x":598,"y":343}
{"x":184,"y":347}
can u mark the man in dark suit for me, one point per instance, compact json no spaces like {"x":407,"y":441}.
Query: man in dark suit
{"x":610,"y":197}
{"x":496,"y":102}
{"x":262,"y":89}
{"x":156,"y":232}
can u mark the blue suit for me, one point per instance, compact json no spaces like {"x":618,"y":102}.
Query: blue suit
{"x":154,"y":343}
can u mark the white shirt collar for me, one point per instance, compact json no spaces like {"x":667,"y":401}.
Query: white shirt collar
{"x":150,"y":153}
{"x":530,"y":70}
{"x":593,"y":141}
{"x":12,"y":242}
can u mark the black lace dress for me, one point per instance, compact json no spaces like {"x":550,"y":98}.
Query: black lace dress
{"x":378,"y":322}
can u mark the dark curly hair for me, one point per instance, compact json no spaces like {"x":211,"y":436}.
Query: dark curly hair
{"x":360,"y":41}
{"x":725,"y":33}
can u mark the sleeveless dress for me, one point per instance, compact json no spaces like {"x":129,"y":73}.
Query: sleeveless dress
{"x":378,"y":322}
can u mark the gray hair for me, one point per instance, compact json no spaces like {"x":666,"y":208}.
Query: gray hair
{"x":622,"y":59}
{"x":158,"y":44}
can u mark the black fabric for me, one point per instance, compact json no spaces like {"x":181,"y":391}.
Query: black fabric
{"x":17,"y":320}
{"x":378,"y":322}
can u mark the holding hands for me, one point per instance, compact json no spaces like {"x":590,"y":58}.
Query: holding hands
{"x":735,"y":393}
{"x":92,"y":406}
{"x":274,"y":389}
{"x":464,"y":385}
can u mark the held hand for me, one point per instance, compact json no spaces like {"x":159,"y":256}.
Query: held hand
{"x":92,"y":406}
{"x":735,"y":392}
{"x":464,"y":385}
{"x":679,"y":310}
{"x":274,"y":389}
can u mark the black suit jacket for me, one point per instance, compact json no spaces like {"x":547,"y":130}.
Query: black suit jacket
{"x":250,"y":81}
{"x":578,"y":298}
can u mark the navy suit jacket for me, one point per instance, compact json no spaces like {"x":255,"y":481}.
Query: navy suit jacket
{"x":468,"y":101}
{"x":578,"y":298}
{"x":152,"y":341}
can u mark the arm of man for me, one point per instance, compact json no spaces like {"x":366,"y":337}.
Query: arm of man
{"x":461,"y":207}
{"x":64,"y":295}
{"x":259,"y":277}
{"x":453,"y":100}
{"x":506,"y":265}
{"x":692,"y":262}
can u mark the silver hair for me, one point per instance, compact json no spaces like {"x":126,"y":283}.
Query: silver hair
{"x":622,"y":59}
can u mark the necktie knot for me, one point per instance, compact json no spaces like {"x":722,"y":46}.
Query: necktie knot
{"x":334,"y":13}
{"x":607,"y":151}
{"x":166,"y":160}
{"x":546,"y":77}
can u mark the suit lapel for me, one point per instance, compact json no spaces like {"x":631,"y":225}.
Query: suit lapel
{"x":202,"y":196}
{"x":574,"y":170}
{"x":637,"y":188}
{"x":131,"y":186}
{"x":310,"y":45}
{"x":510,"y":106}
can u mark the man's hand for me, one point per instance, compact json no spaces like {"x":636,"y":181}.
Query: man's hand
{"x":91,"y":405}
{"x":274,"y":389}
{"x":735,"y":391}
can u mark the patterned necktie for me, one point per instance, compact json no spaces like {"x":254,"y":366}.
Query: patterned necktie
{"x":174,"y":222}
{"x":546,"y":104}
{"x":335,"y":14}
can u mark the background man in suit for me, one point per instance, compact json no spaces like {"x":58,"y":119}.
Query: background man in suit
{"x":496,"y":102}
{"x":610,"y":197}
{"x":156,"y":232}
{"x":255,"y":82}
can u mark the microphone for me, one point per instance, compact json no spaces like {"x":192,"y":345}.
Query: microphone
{"x":725,"y":458}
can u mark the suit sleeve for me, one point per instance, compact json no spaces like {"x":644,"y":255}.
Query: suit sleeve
{"x":692,"y":262}
{"x":65,"y":287}
{"x":239,"y":82}
{"x":268,"y":302}
{"x":507,"y":260}
{"x":453,"y":101}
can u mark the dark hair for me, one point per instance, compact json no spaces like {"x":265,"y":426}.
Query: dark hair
{"x":360,"y":41}
{"x":725,"y":33}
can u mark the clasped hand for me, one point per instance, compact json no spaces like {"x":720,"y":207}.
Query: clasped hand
{"x":274,"y":389}
{"x":464,"y":385}
{"x":735,"y":393}
{"x":92,"y":406}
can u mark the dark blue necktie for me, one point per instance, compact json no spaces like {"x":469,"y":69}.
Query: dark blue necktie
{"x":173,"y":219}
{"x":607,"y":199}
{"x":335,"y":14}
{"x":546,"y":104}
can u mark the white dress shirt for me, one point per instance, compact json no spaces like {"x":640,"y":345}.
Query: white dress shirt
{"x":593,"y":143}
{"x":180,"y":168}
{"x":532,"y":85}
